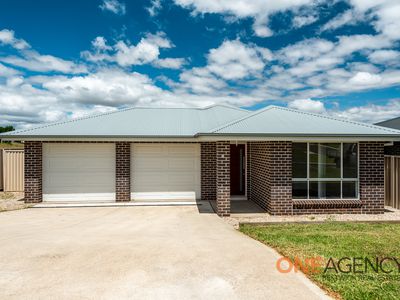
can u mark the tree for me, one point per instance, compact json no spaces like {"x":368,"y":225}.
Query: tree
{"x":6,"y":128}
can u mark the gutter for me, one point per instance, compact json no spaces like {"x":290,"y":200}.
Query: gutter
{"x":207,"y":137}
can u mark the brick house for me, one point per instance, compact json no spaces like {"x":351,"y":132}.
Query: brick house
{"x":286,"y":161}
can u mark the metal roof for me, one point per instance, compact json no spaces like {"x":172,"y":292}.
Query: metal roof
{"x":137,"y":121}
{"x":216,"y":120}
{"x":281,"y":121}
{"x":392,"y":123}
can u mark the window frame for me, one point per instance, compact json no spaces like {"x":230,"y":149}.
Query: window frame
{"x":341,"y":179}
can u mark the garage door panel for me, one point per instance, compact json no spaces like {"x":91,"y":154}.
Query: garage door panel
{"x":151,"y":163}
{"x":165,"y":171}
{"x":83,"y":172}
{"x":181,"y":150}
{"x":182,"y":163}
{"x":150,"y":179}
{"x":182,"y":179}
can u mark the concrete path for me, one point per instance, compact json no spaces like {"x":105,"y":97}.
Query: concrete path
{"x":137,"y":253}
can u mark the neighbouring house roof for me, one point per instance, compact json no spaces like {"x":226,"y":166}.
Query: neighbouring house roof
{"x":392,"y":123}
{"x":216,"y":120}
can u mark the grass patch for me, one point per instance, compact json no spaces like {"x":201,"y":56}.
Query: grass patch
{"x":11,"y":145}
{"x":337,"y":240}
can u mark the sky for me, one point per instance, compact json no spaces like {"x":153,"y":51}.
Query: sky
{"x":61,"y":60}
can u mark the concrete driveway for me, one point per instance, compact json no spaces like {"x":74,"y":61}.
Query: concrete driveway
{"x":137,"y":252}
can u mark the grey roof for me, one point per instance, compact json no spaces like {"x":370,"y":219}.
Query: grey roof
{"x":139,"y":122}
{"x":392,"y":123}
{"x":281,"y":121}
{"x":273,"y":121}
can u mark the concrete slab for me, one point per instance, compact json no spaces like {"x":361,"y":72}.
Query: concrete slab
{"x":169,"y":252}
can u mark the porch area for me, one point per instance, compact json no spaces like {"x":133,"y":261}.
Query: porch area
{"x":258,"y":178}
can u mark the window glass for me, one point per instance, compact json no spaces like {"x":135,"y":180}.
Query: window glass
{"x":299,"y":160}
{"x":325,"y":160}
{"x":324,"y":189}
{"x":299,"y":190}
{"x":349,"y":189}
{"x":350,"y":160}
{"x":330,"y":166}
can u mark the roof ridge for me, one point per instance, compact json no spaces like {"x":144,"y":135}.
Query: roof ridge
{"x":223,"y":105}
{"x":215,"y":129}
{"x":91,"y":116}
{"x":336,"y":119}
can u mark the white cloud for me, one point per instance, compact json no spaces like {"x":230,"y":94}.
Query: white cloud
{"x":106,"y":87}
{"x":386,"y":13}
{"x":309,"y":105}
{"x":154,"y":8}
{"x":370,"y":113}
{"x":365,"y":79}
{"x":353,"y":43}
{"x":146,"y":51}
{"x":33,"y":61}
{"x":100,"y":44}
{"x":7,"y":72}
{"x":259,"y":10}
{"x":14,"y":81}
{"x":200,"y":81}
{"x":235,"y":60}
{"x":305,"y":50}
{"x":169,"y":63}
{"x":385,"y":57}
{"x":300,"y":21}
{"x":7,"y":37}
{"x":349,"y":17}
{"x":113,"y":6}
{"x":382,"y":14}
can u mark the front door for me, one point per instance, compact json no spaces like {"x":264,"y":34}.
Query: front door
{"x":238,"y":170}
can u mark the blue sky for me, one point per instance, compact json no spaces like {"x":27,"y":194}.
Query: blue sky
{"x":66,"y":59}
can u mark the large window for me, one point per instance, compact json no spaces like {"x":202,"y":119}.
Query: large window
{"x":325,"y":170}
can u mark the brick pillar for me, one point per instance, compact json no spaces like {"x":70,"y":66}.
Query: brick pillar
{"x":270,"y":176}
{"x":372,"y":173}
{"x":208,"y":171}
{"x":123,"y":171}
{"x":33,"y":172}
{"x":248,"y":169}
{"x":280,"y":169}
{"x":223,"y":179}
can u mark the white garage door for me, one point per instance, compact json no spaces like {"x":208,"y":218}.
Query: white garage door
{"x":82,"y":172}
{"x":165,"y":172}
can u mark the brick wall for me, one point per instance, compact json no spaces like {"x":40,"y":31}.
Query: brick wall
{"x":372,"y":173}
{"x":208,"y":171}
{"x":33,"y":171}
{"x":123,"y":171}
{"x":223,"y":178}
{"x":270,"y":176}
{"x":307,"y":207}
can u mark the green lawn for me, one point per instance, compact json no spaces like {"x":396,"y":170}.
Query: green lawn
{"x":337,"y":240}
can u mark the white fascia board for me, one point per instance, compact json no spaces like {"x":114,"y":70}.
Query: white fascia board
{"x":209,"y":138}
